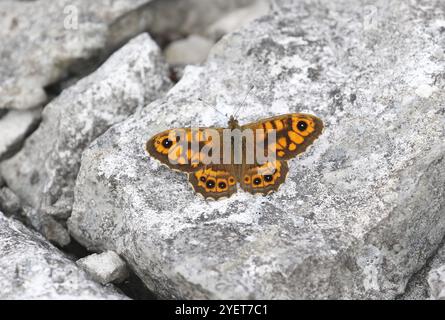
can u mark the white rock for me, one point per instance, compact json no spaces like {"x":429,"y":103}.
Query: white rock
{"x":192,"y":50}
{"x":32,"y":268}
{"x":105,"y":267}
{"x":13,"y":128}
{"x":436,"y":281}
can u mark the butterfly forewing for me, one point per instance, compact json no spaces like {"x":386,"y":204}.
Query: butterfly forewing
{"x":186,"y":149}
{"x":294,"y":132}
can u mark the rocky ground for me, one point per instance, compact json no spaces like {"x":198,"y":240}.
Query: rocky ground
{"x":86,"y":214}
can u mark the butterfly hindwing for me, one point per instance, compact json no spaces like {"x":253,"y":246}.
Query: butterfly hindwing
{"x":295,"y":132}
{"x":214,"y":181}
{"x":264,"y":178}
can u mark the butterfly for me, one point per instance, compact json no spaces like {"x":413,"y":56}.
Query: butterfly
{"x":293,"y":134}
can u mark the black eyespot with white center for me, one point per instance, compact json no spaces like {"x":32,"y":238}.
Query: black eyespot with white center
{"x":222,"y":185}
{"x":210,"y":184}
{"x":256,"y":181}
{"x":203,"y":179}
{"x":167,"y":143}
{"x":268,"y":178}
{"x":302,"y":126}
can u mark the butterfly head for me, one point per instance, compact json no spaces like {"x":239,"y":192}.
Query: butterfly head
{"x":233,"y":123}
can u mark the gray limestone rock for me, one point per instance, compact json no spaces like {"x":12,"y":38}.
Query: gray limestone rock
{"x":32,"y":268}
{"x":359,"y":213}
{"x":419,"y":287}
{"x":62,"y":38}
{"x":43,"y":173}
{"x":38,"y":49}
{"x":436,"y":281}
{"x":14,"y":126}
{"x":9,"y":202}
{"x":105,"y":267}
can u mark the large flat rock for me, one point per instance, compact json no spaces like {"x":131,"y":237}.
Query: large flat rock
{"x":32,"y":268}
{"x":360,"y":212}
{"x":436,"y":281}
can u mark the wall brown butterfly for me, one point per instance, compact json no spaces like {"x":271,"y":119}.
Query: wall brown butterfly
{"x":293,"y":134}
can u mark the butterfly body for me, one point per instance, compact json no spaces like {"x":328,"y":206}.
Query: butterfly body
{"x":283,"y":137}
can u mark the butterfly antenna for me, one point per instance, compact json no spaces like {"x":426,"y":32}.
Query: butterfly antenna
{"x":244,"y":100}
{"x":213,"y":107}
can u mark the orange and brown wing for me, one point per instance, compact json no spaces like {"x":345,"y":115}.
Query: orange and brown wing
{"x":214,"y":181}
{"x":184,"y":149}
{"x":295,"y":132}
{"x":264,"y":178}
